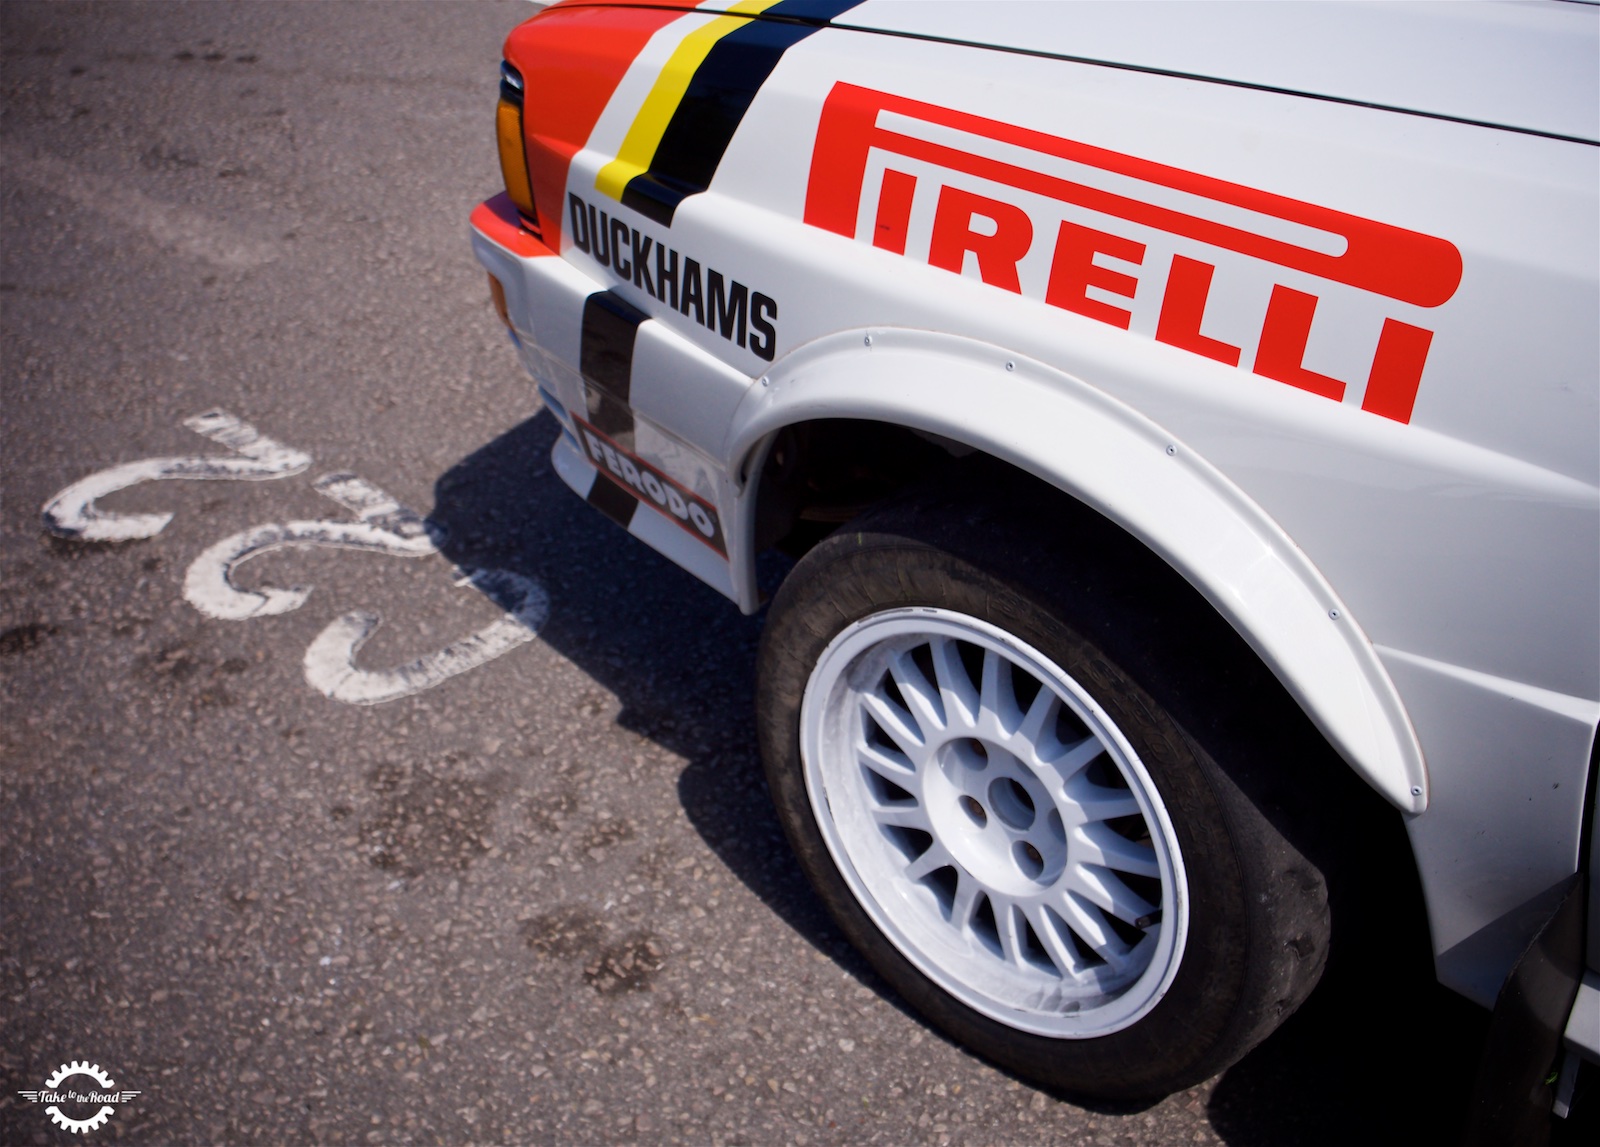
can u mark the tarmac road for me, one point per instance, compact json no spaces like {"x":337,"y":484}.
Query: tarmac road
{"x":542,"y":900}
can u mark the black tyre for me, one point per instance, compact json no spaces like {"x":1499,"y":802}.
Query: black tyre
{"x":1015,"y":763}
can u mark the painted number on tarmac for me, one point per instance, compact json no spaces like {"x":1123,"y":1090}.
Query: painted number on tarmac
{"x":73,"y":514}
{"x":381,"y":525}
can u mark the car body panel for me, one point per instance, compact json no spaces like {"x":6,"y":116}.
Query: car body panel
{"x":1461,"y":60}
{"x":1369,"y":340}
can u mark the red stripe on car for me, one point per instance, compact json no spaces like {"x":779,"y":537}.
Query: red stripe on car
{"x":572,"y":60}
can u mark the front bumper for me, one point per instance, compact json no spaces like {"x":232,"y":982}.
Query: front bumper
{"x":629,"y":395}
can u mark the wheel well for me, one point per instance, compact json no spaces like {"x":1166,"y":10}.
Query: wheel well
{"x":821,"y":474}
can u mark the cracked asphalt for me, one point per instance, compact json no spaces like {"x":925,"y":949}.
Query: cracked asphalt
{"x":542,"y":901}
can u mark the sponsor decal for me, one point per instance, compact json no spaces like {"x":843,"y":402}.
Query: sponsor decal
{"x":700,"y":97}
{"x":651,"y":486}
{"x":79,"y":1097}
{"x":745,"y":317}
{"x":1075,"y":226}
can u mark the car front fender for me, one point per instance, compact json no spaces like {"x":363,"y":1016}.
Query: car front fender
{"x":1128,"y":468}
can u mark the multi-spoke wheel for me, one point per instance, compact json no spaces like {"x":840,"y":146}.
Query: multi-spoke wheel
{"x":1032,"y":804}
{"x":993,"y":822}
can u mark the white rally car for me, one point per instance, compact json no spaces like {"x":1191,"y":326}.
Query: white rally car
{"x":1187,"y":420}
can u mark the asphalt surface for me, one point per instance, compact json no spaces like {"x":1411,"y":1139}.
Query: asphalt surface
{"x":542,"y":901}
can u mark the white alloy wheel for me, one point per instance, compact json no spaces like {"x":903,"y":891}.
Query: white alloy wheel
{"x":993,"y":822}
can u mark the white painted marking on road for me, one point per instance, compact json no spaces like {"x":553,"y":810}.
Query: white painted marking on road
{"x":386,"y":527}
{"x":383,"y":526}
{"x":73,"y":514}
{"x":330,"y":660}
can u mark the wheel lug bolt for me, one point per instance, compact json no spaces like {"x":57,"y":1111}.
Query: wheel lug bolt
{"x":974,"y":809}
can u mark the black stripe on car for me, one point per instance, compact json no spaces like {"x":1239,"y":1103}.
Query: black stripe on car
{"x":613,"y":501}
{"x":605,"y":359}
{"x":715,"y":102}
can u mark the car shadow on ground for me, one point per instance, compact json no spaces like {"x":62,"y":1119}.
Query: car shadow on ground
{"x":1354,"y":1066}
{"x":1376,"y":1058}
{"x":679,"y":657}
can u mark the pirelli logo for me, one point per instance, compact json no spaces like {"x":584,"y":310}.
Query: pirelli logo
{"x":1091,"y":231}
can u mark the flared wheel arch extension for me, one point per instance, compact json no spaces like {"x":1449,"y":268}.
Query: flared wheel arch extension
{"x":1082,"y":445}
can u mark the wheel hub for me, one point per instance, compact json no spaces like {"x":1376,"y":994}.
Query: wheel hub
{"x":994,"y":816}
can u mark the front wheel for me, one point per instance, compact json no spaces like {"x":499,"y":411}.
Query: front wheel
{"x":993,"y":821}
{"x":1002,"y":814}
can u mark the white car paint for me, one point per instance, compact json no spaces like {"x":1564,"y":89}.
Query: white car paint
{"x":1427,"y":586}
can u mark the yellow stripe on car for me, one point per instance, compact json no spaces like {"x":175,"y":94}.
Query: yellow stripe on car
{"x":644,"y":135}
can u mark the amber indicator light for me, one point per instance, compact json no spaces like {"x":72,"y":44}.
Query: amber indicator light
{"x":513,"y":149}
{"x":497,"y":293}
